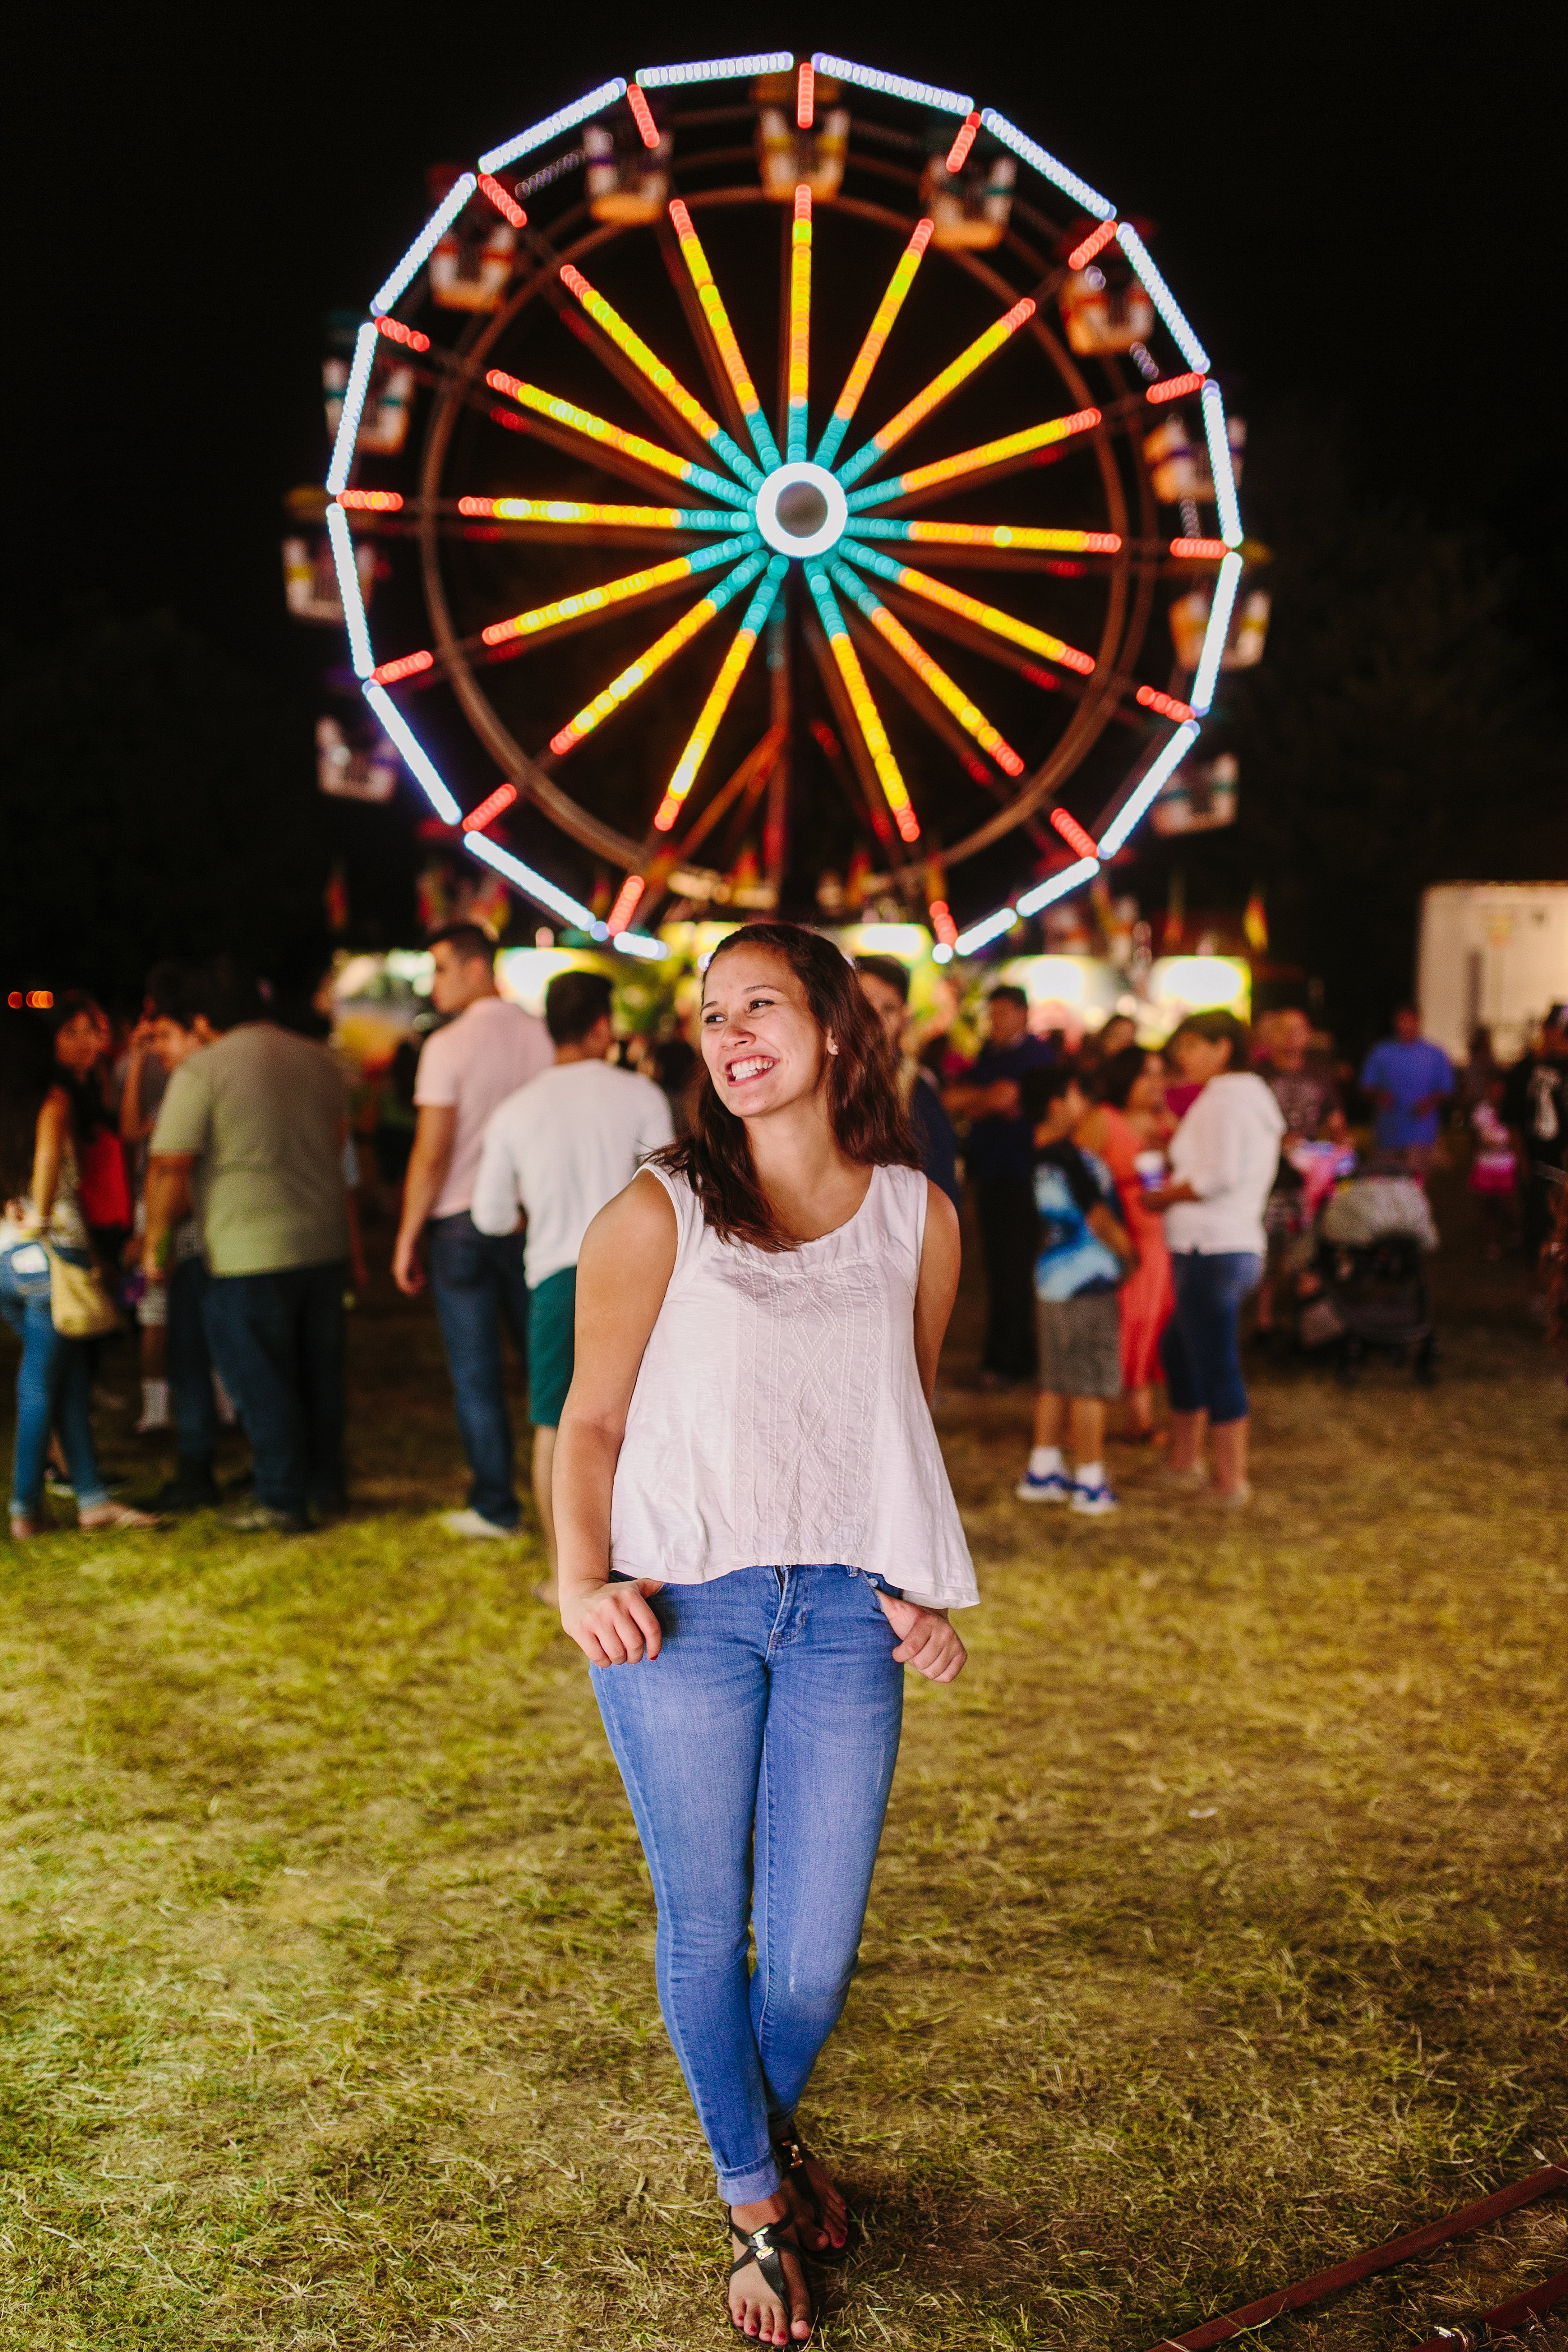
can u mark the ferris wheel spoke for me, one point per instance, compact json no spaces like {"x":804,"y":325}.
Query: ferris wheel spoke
{"x":1012,"y":449}
{"x":870,"y":351}
{"x":595,"y":603}
{"x":940,"y":388}
{"x":994,"y":538}
{"x":932,"y":675}
{"x":563,"y":517}
{"x":609,"y":437}
{"x":846,"y":752}
{"x":638,"y":673}
{"x":867,"y":718}
{"x":905,"y":683}
{"x":663,"y":378}
{"x":723,"y":335}
{"x":729,"y":672}
{"x":799,"y":379}
{"x":989,"y":617}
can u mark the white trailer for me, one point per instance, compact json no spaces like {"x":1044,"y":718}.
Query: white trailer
{"x":1492,"y":955}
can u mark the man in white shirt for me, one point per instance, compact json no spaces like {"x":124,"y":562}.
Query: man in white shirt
{"x":558,"y":1149}
{"x":491,"y":1050}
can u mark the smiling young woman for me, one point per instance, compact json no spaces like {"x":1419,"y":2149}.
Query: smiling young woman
{"x":757,"y":1534}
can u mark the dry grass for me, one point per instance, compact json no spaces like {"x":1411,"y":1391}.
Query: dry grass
{"x":1219,"y":1929}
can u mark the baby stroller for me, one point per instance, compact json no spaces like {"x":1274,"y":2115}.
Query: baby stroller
{"x":1365,"y":1285}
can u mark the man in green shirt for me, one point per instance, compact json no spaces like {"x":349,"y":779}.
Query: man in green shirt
{"x":253,"y":1131}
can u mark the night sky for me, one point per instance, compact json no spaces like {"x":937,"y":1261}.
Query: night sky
{"x":1352,"y":208}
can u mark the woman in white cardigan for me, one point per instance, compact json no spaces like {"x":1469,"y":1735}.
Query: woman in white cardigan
{"x":1224,"y":1158}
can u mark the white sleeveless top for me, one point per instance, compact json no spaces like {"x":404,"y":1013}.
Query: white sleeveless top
{"x":778,"y":1418}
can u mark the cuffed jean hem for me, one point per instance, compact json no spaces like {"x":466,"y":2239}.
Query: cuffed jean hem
{"x":750,"y":2188}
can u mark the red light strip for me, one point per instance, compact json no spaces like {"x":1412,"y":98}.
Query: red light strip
{"x":1174,"y":387}
{"x":1073,"y":833}
{"x":396,"y":332}
{"x":1165,"y":706}
{"x":371,"y":501}
{"x":957,"y":156}
{"x":1213,"y":550}
{"x":941,"y":922}
{"x":506,"y":205}
{"x":625,"y":905}
{"x":641,"y":116}
{"x":1082,"y":254}
{"x":805,"y":98}
{"x":409,"y":666}
{"x":501,"y":798}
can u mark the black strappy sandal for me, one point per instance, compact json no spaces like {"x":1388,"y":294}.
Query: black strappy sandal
{"x":796,"y":2177}
{"x":763,"y":2247}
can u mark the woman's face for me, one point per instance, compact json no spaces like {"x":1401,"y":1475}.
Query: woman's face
{"x":77,"y":1044}
{"x":1117,"y":1033}
{"x":1147,"y":1092}
{"x":1198,"y":1059}
{"x":760,"y":1037}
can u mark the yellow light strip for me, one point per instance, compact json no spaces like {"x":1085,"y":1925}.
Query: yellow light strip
{"x":591,"y":600}
{"x":799,"y":324}
{"x":723,"y":333}
{"x":1011,"y":534}
{"x":894,"y":789}
{"x":700,"y":740}
{"x":1000,"y":624}
{"x":963,"y":366}
{"x":988,"y":453}
{"x":663,"y":378}
{"x":870,"y":351}
{"x":595,"y":428}
{"x":636,"y":673}
{"x":969,"y":715}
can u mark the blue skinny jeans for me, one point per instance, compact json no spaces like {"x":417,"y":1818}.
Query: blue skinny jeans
{"x":757,"y":1750}
{"x":1201,"y":1350}
{"x":53,"y":1380}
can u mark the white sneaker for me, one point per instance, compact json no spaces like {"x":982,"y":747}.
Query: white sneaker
{"x":472,"y":1523}
{"x":1093,"y":1502}
{"x":1052,"y":1489}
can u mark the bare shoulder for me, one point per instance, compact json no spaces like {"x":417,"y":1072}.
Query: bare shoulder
{"x":639,"y":1222}
{"x":942,"y":1218}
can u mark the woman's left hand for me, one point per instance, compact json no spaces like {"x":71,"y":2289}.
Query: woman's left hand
{"x":926,"y":1641}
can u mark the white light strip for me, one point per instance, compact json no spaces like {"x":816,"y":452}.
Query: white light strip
{"x":989,"y":928}
{"x":1216,"y":634}
{"x":1220,"y":466}
{"x":425,"y":244}
{"x":922,"y":93}
{"x":1069,"y":182}
{"x":532,"y":886}
{"x":714,"y":69}
{"x":342,"y":543}
{"x":637,"y":944}
{"x":1059,"y":886}
{"x":1164,"y":301}
{"x":1164,"y":767}
{"x":578,"y":111}
{"x":415,"y":758}
{"x":352,"y":409}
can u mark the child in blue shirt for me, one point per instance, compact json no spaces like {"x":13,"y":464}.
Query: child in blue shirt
{"x":1084,"y":1255}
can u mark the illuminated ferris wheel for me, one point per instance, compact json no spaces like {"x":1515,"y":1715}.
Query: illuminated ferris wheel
{"x":794,"y":485}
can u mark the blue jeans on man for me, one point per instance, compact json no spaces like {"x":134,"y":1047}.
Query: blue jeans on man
{"x":278,"y":1340}
{"x":477,"y":1285}
{"x":190,"y":1365}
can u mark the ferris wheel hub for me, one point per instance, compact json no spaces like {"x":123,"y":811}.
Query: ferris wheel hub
{"x":802,"y":510}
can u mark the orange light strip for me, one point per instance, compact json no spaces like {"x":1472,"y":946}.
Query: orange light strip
{"x":1073,"y":833}
{"x":505,"y":205}
{"x":642,"y":116}
{"x":799,"y":324}
{"x":1212,"y":551}
{"x":595,"y":428}
{"x":971,"y":461}
{"x":1165,"y":706}
{"x":636,"y":674}
{"x":478,"y":818}
{"x":958,"y":154}
{"x":805,"y":98}
{"x":396,"y":332}
{"x":967,"y":712}
{"x":589,"y":512}
{"x":626,"y":904}
{"x":1004,"y":534}
{"x":941,"y":386}
{"x":663,"y":379}
{"x":723,"y":334}
{"x":409,"y":666}
{"x":970,"y":608}
{"x":1176,"y":387}
{"x":1080,"y":258}
{"x":378,"y":502}
{"x":870,"y":351}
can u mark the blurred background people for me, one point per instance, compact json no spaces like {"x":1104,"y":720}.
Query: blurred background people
{"x":1223,"y":1157}
{"x":1494,"y":1170}
{"x":252,"y":1134}
{"x":43,"y":1221}
{"x":557,"y":1150}
{"x":1535,"y":1106}
{"x":885,"y":986}
{"x":1308,"y":1099}
{"x":466,"y":1071}
{"x":1127,"y":1127}
{"x":1410,"y":1082}
{"x":998,"y":1155}
{"x":177,"y":1031}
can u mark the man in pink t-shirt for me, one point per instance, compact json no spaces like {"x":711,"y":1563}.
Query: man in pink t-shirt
{"x":464,"y":1070}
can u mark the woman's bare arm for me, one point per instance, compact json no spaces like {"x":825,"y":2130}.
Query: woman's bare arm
{"x":47,"y":1145}
{"x":622,"y":1272}
{"x":941,"y":1255}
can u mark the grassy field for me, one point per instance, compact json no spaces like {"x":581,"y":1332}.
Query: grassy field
{"x":1219,"y":1930}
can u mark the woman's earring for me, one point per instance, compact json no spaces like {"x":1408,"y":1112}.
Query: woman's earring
{"x":831,"y":1047}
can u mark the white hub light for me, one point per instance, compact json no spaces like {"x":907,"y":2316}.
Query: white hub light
{"x":802,"y":511}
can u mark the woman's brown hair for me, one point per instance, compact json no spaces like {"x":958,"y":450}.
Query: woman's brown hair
{"x":869,"y":1121}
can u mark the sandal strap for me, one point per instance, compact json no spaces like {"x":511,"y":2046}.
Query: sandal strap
{"x":763,"y":2247}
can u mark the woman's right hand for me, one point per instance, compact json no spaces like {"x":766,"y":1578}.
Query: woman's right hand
{"x":612,"y":1625}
